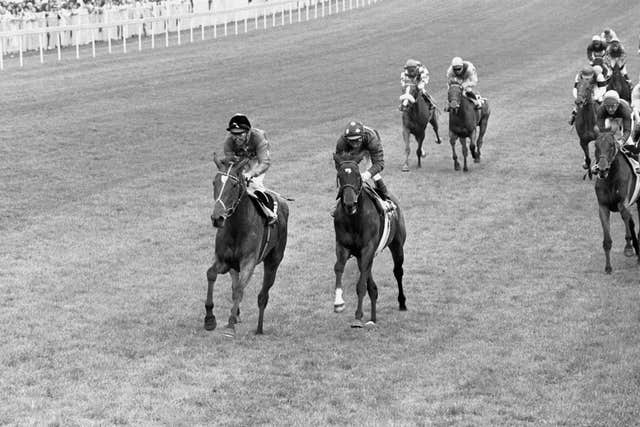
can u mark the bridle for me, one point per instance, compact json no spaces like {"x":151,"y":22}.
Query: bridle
{"x":602,"y":174}
{"x":458,"y":101}
{"x":585,"y":98}
{"x":228,"y":210}
{"x":356,"y":189}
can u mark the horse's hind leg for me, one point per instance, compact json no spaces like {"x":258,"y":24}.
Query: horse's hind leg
{"x":397,"y":253}
{"x":465,"y":153}
{"x":372,"y":290}
{"x":606,"y":240}
{"x":420,"y":152}
{"x":631,"y":245}
{"x":270,"y":269}
{"x":364,"y":265}
{"x":484,"y":121}
{"x":406,"y":136}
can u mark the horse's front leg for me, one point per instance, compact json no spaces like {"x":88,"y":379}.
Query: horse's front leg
{"x":365,"y":260}
{"x":406,"y":136}
{"x":587,"y":158}
{"x":606,"y":240}
{"x":372,"y":290}
{"x":434,"y":124}
{"x":472,"y":145}
{"x":465,"y":153}
{"x":454,"y":156}
{"x":239,"y":280}
{"x":342,"y":255}
{"x":212,"y":274}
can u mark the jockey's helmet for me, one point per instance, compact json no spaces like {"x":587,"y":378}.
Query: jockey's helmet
{"x":456,"y":64}
{"x":596,"y":38}
{"x":354,"y":133}
{"x":239,"y":123}
{"x":597,"y":69}
{"x":611,"y":98}
{"x":411,"y":67}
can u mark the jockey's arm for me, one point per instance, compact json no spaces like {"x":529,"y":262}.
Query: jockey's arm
{"x":377,"y":156}
{"x":626,"y":128}
{"x":263,"y":158}
{"x":424,"y":77}
{"x":471,"y":79}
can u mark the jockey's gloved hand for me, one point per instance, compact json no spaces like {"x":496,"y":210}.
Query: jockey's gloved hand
{"x":247,"y":176}
{"x":365,"y":175}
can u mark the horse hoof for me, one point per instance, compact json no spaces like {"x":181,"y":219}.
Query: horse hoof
{"x":356,"y":323}
{"x":210,"y":323}
{"x":229,"y":332}
{"x":405,"y":168}
{"x":585,"y":166}
{"x":608,"y":269}
{"x":629,"y":252}
{"x":456,"y":167}
{"x":338,"y":308}
{"x":465,"y":169}
{"x":370,"y":324}
{"x":438,"y":141}
{"x":476,"y":160}
{"x":423,"y":153}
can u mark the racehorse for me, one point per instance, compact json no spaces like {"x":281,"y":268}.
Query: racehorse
{"x":416,"y":114}
{"x":615,"y":190}
{"x":243,"y":240}
{"x":359,"y":227}
{"x":585,"y":119}
{"x":464,"y":119}
{"x":618,"y":83}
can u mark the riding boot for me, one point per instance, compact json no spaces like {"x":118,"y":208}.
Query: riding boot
{"x":381,"y":188}
{"x":573,"y":118}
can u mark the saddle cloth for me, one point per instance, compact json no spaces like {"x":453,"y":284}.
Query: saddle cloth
{"x":387,"y":211}
{"x":633,"y":163}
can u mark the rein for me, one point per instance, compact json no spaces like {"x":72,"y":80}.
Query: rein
{"x":616,"y":149}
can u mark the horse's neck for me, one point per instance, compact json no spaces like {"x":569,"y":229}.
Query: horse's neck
{"x":588,"y":113}
{"x":243,"y":216}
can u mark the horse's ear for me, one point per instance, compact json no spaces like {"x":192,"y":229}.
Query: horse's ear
{"x":217,"y":161}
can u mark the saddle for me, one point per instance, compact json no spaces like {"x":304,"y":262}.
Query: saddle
{"x":266,"y":204}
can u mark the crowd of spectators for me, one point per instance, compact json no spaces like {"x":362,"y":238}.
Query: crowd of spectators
{"x":32,"y":14}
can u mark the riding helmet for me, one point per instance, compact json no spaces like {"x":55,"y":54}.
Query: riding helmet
{"x":611,"y":97}
{"x":587,"y":71}
{"x":239,"y":123}
{"x":354,"y":131}
{"x":411,"y":66}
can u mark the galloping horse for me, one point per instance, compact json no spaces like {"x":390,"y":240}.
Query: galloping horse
{"x":360,"y":232}
{"x":416,"y":114}
{"x":585,"y":119}
{"x":618,"y":83}
{"x":243,"y":240}
{"x":615,"y":190}
{"x":464,"y":120}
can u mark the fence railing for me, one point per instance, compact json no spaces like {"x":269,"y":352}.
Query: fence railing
{"x":236,"y":21}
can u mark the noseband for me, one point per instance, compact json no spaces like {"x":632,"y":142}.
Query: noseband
{"x":353,"y":187}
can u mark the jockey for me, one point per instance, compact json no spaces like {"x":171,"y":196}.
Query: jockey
{"x":358,"y":138}
{"x":600,"y":85}
{"x":615,"y":109}
{"x":464,"y":73}
{"x":597,"y":49}
{"x":617,"y":55}
{"x":635,"y":106}
{"x":245,"y":142}
{"x":607,"y":35}
{"x":415,"y":73}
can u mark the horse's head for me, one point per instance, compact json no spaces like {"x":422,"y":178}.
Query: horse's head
{"x":228,"y":188}
{"x":606,"y":149}
{"x":409,"y":97}
{"x":454,"y":97}
{"x":584,"y":92}
{"x":349,"y":181}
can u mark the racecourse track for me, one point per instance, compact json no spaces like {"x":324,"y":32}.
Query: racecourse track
{"x":105,"y":178}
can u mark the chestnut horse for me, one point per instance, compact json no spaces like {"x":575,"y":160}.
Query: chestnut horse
{"x":359,"y":228}
{"x":615,"y":185}
{"x":416,"y":114}
{"x":243,"y":240}
{"x":464,"y":120}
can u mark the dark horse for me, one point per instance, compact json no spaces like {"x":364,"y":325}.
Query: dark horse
{"x":359,"y":228}
{"x":243,"y":240}
{"x":585,"y":119}
{"x":416,"y":114}
{"x":618,"y":83}
{"x":615,"y":185}
{"x":464,"y":119}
